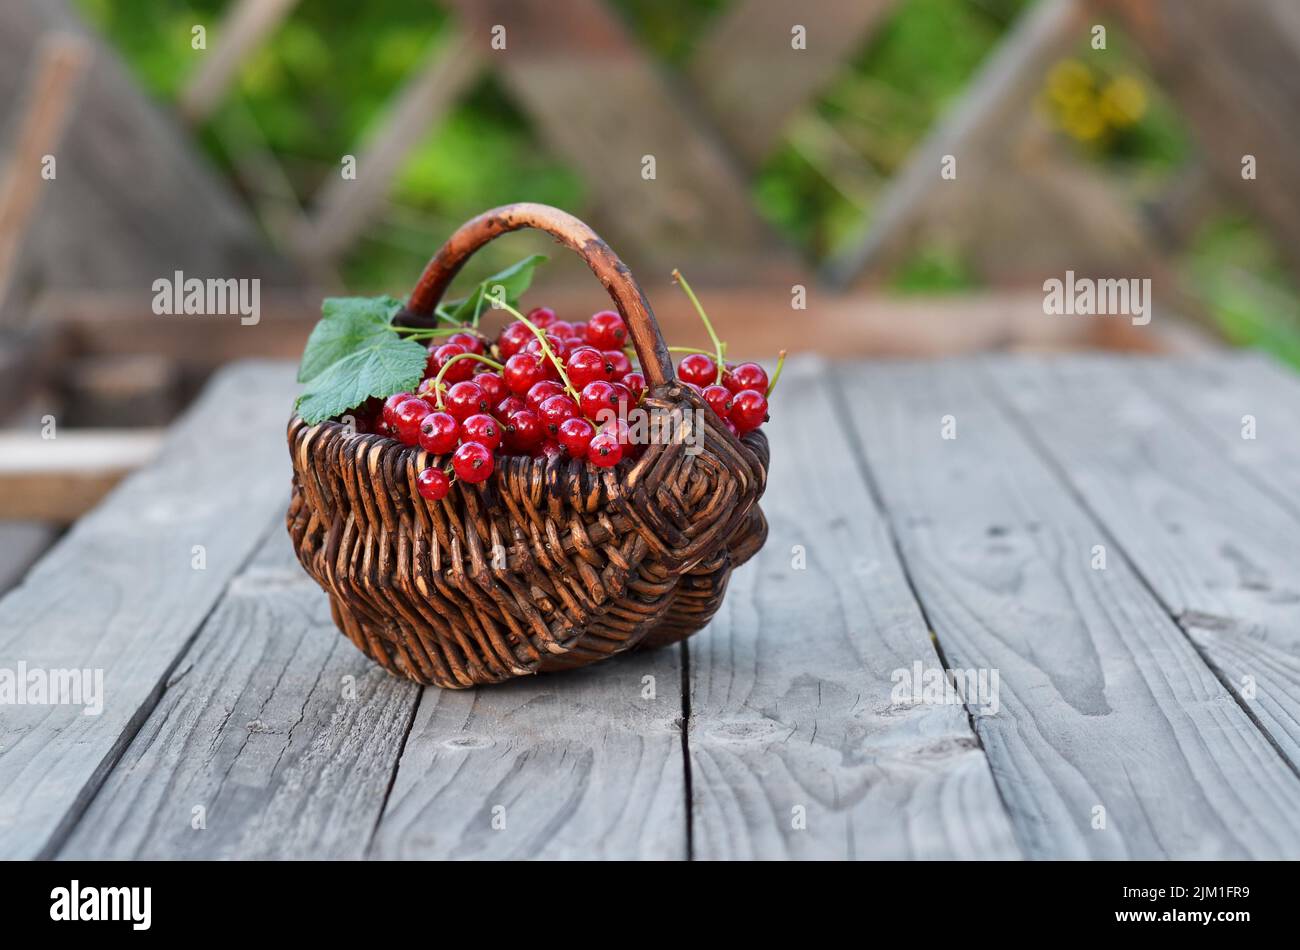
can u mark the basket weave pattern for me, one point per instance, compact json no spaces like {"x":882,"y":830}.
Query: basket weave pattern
{"x":546,"y":565}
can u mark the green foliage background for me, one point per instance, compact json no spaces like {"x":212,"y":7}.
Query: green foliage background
{"x":318,"y":88}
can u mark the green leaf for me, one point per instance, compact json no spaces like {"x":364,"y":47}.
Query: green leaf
{"x":514,"y":280}
{"x":353,"y":354}
{"x":345,"y":324}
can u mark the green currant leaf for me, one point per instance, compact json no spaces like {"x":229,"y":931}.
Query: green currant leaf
{"x":345,"y":324}
{"x":514,"y":280}
{"x":353,"y":354}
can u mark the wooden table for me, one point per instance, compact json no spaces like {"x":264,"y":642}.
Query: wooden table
{"x":1098,"y":532}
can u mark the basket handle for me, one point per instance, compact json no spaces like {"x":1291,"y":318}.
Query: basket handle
{"x":572,"y":233}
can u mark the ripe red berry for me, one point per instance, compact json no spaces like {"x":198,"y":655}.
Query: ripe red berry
{"x":541,"y":392}
{"x":458,"y":371}
{"x":427,"y":392}
{"x":748,"y":410}
{"x":464,"y":399}
{"x":599,"y":400}
{"x":604,"y":449}
{"x":523,"y":431}
{"x":607,"y":331}
{"x":746,"y":376}
{"x":493,"y":386}
{"x":586,"y":365}
{"x":391,"y":404}
{"x":719,"y":399}
{"x":578,"y":332}
{"x":472,"y":342}
{"x":541,"y":316}
{"x":617,"y":365}
{"x":558,"y":345}
{"x":407,"y":418}
{"x":483,"y":429}
{"x":513,"y":339}
{"x":698,"y":369}
{"x":575,"y":435}
{"x":624,"y":396}
{"x":636,"y":383}
{"x":432,"y":484}
{"x":472,"y":462}
{"x":439,"y":432}
{"x":523,"y":371}
{"x":554,"y":410}
{"x":561,"y":328}
{"x":508,"y":406}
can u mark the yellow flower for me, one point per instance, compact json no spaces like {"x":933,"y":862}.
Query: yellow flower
{"x":1069,"y":82}
{"x":1123,"y":101}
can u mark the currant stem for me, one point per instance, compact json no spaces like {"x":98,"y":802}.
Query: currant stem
{"x":437,"y":380}
{"x":689,"y":349}
{"x":776,"y":374}
{"x":708,"y":325}
{"x":546,"y":349}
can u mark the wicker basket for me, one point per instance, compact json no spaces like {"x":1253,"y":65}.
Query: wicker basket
{"x":548,"y":564}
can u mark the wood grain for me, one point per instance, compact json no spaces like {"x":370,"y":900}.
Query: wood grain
{"x":1104,"y":702}
{"x":276,"y":727}
{"x":119,"y":593}
{"x":1220,"y":551}
{"x":581,"y":764}
{"x":791,"y":684}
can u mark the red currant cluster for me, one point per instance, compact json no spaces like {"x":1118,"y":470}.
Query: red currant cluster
{"x":549,"y":388}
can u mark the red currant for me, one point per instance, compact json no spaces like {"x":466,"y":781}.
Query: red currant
{"x":472,"y":462}
{"x":472,"y":342}
{"x":575,"y":435}
{"x":561,"y":328}
{"x":541,"y":317}
{"x":599,"y":397}
{"x":617,"y":365}
{"x":746,"y":376}
{"x":493,"y":386}
{"x":560,"y":347}
{"x":698,"y":369}
{"x":458,"y":371}
{"x":432,"y":484}
{"x":579,"y":332}
{"x":604,"y":449}
{"x":523,"y":371}
{"x":513,"y":339}
{"x":407,"y":418}
{"x":508,"y":407}
{"x":483,"y":429}
{"x":719,"y":399}
{"x":542,"y":391}
{"x":464,"y":399}
{"x":748,"y":410}
{"x":607,"y":331}
{"x":524,"y":431}
{"x":439,"y":432}
{"x":586,"y":365}
{"x":635,"y":382}
{"x":554,"y":410}
{"x":391,"y":404}
{"x":624,"y":395}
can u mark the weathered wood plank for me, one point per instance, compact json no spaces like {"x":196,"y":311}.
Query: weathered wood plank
{"x":1104,"y":702}
{"x":273,"y":724}
{"x":791,"y":684}
{"x":582,"y":764}
{"x":1221,"y":553}
{"x":120,"y":593}
{"x":1226,"y":396}
{"x":245,"y":25}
